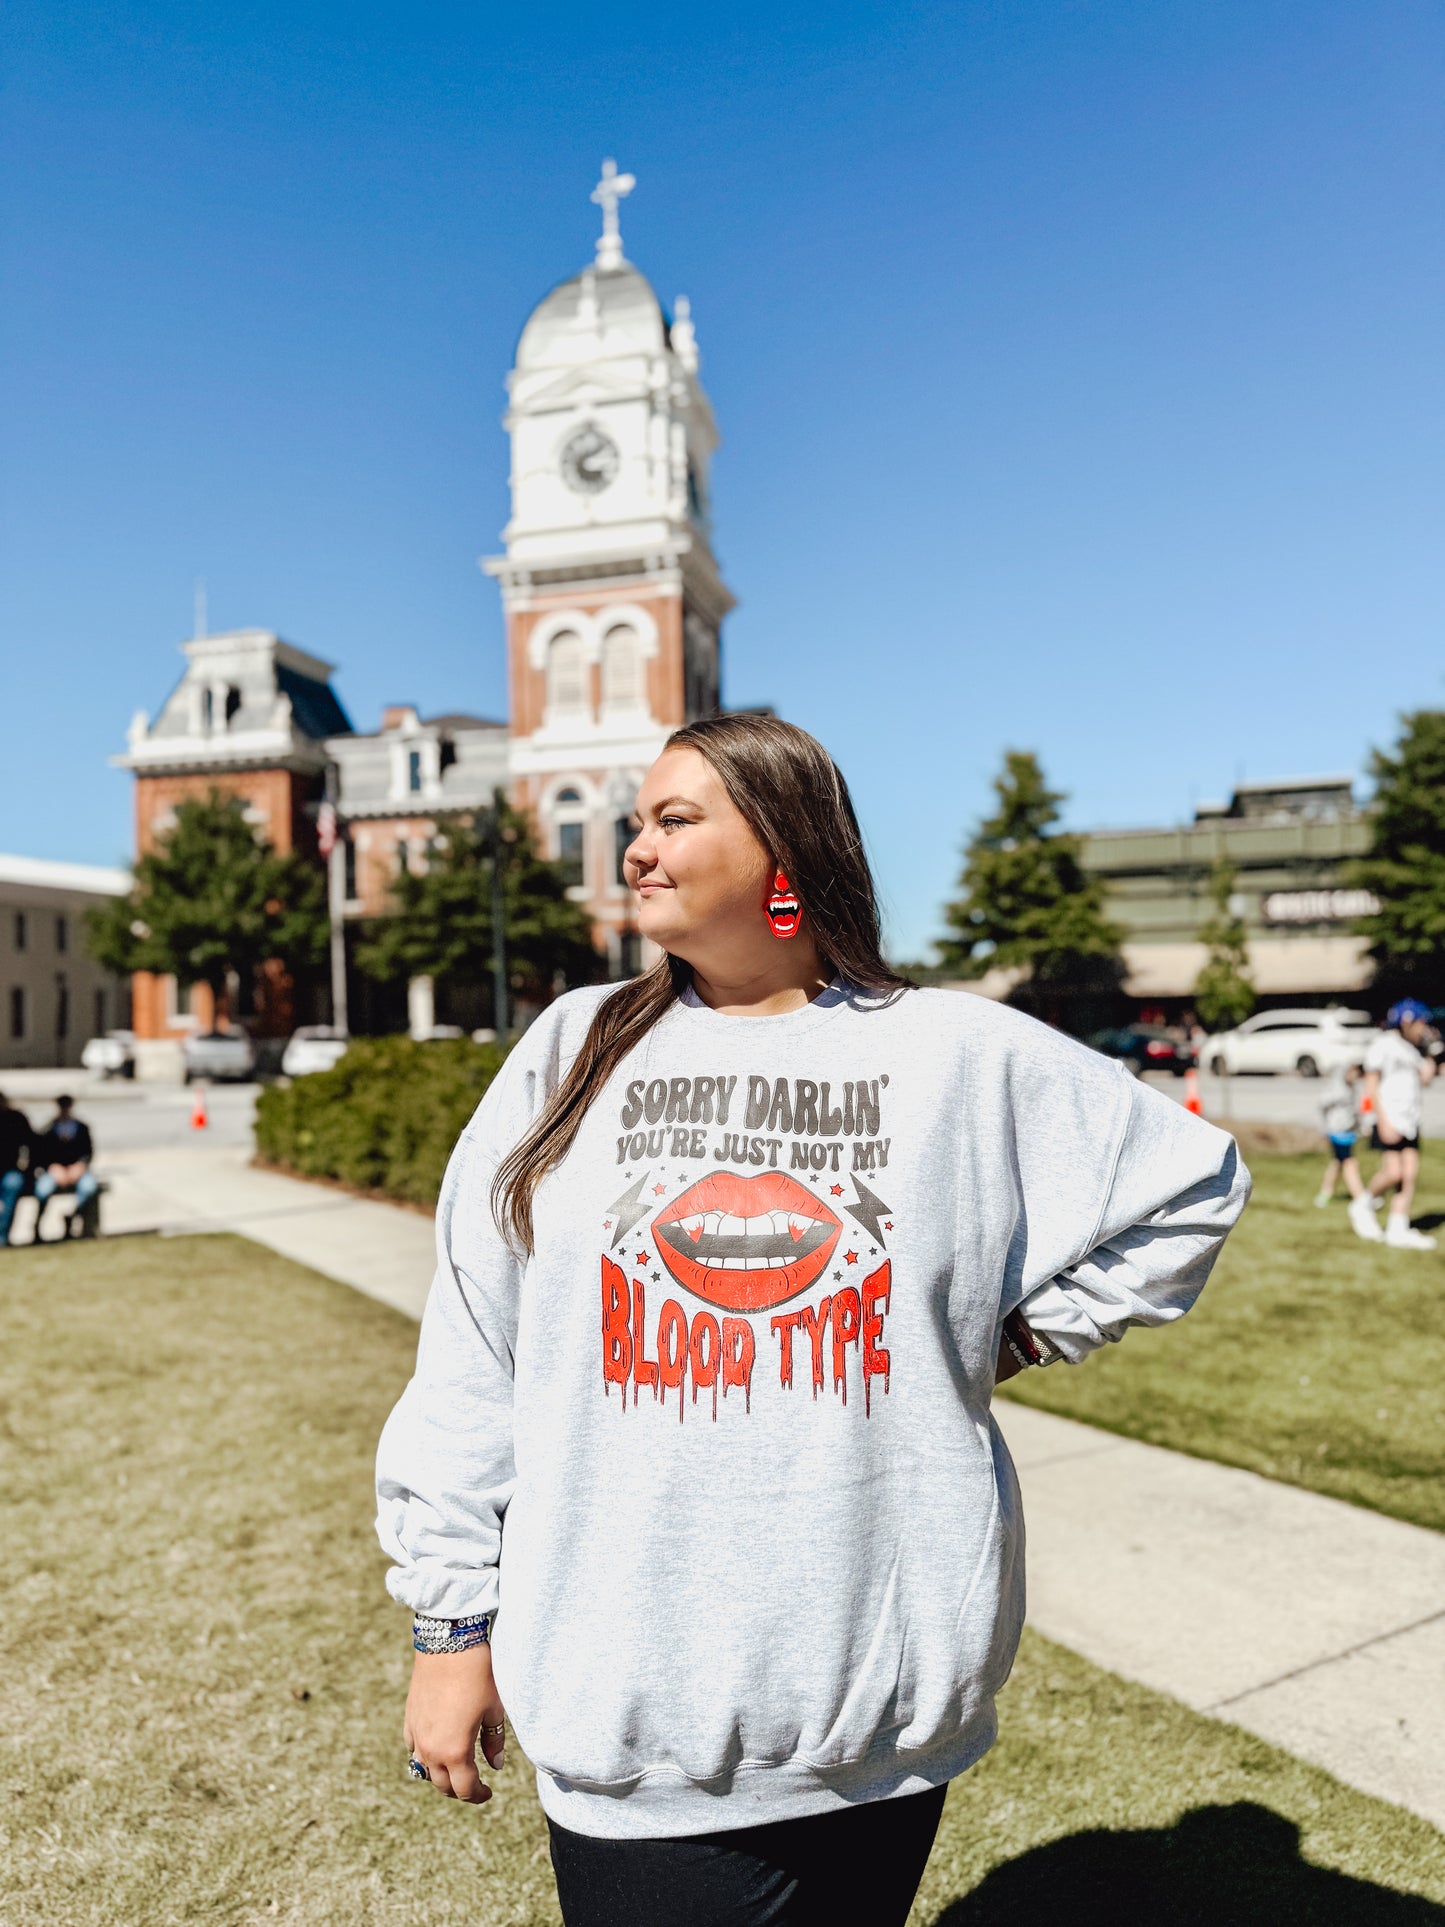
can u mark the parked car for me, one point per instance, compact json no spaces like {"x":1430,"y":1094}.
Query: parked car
{"x":219,"y":1055}
{"x":315,"y":1047}
{"x":112,"y":1055}
{"x":1146,"y":1047}
{"x":1308,"y":1041}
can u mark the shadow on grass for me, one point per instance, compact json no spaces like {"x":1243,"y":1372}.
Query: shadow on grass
{"x":1238,"y":1864}
{"x":1429,"y":1220}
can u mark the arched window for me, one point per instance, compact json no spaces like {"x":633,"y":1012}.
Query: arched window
{"x":569,"y":815}
{"x":621,"y":670}
{"x":566,"y":676}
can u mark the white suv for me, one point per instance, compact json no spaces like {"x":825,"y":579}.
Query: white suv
{"x":1307,"y":1041}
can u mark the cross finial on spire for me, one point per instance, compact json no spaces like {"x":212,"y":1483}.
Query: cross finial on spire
{"x":612,"y":188}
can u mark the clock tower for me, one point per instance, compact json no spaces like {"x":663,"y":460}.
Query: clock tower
{"x":613,"y":599}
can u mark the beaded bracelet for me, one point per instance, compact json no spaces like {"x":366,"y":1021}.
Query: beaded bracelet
{"x":1028,"y":1346}
{"x":431,"y":1635}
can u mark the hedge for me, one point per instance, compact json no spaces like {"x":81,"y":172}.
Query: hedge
{"x":384,"y":1119}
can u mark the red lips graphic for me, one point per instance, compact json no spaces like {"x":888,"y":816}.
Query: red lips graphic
{"x":746,"y":1244}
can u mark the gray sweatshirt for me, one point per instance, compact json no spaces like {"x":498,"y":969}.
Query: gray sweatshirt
{"x":720,"y":1452}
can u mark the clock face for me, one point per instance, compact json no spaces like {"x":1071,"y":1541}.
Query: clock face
{"x":589,"y":461}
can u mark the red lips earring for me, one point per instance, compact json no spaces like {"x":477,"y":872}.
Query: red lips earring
{"x":784,"y":910}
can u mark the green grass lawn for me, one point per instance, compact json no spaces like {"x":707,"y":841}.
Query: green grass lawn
{"x":1311,"y":1357}
{"x":201,"y":1678}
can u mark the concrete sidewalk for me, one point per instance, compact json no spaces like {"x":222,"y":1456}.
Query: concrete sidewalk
{"x":1317,"y":1625}
{"x":378,"y":1248}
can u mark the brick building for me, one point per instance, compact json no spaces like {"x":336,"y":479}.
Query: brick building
{"x":251,"y":717}
{"x":614,"y":605}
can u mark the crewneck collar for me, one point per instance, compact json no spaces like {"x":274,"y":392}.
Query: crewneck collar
{"x":838,"y":996}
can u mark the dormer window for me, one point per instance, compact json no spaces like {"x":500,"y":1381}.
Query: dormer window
{"x":233,"y":702}
{"x":413,"y":771}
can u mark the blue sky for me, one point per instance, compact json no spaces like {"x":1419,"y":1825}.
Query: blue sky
{"x":1078,"y":367}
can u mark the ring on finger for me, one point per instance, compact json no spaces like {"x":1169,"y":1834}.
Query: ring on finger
{"x":416,"y":1770}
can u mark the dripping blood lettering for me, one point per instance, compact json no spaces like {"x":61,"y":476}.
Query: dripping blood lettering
{"x":667,"y":1352}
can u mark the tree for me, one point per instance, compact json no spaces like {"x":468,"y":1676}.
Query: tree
{"x":1405,"y":866}
{"x":1028,"y":902}
{"x":1223,"y":990}
{"x":440,"y":921}
{"x":211,"y":899}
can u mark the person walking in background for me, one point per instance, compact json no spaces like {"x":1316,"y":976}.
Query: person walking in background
{"x":61,"y":1161}
{"x":729,"y":1263}
{"x":1396,"y":1071}
{"x":16,"y":1152}
{"x":1341,"y":1113}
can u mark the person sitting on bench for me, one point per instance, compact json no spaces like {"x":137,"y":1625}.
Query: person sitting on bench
{"x":17,"y":1160}
{"x":61,"y":1161}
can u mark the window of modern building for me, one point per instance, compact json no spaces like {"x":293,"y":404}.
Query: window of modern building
{"x":566,"y":676}
{"x":413,"y":770}
{"x":17,"y":1011}
{"x":62,"y":934}
{"x":62,"y":1007}
{"x":22,"y":931}
{"x":621,"y":670}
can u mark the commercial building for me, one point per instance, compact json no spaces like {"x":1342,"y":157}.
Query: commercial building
{"x":53,"y":996}
{"x":1289,"y":843}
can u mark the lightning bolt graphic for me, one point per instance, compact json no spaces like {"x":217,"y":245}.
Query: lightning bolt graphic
{"x":868,"y":1210}
{"x":629,"y":1208}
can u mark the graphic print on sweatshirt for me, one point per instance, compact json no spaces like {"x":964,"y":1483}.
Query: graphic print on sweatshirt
{"x":746,"y":1197}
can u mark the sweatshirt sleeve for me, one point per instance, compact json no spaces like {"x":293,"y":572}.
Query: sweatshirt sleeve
{"x":444,"y":1470}
{"x":1175,"y":1187}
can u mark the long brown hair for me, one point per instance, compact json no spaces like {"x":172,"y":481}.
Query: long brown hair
{"x":793,"y":798}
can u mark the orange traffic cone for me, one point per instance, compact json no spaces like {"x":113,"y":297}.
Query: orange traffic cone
{"x":199,"y":1119}
{"x":1191,"y":1094}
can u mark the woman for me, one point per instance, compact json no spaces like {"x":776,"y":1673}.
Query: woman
{"x":1396,"y":1072}
{"x":730,"y":1261}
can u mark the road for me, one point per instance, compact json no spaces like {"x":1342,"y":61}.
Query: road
{"x":131,"y":1117}
{"x":128,"y":1117}
{"x":1278,"y":1100}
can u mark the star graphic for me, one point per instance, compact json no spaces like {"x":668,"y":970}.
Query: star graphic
{"x":872,"y":1251}
{"x":837,"y":1274}
{"x":655,"y":1276}
{"x":835,"y":1190}
{"x":626,"y":1210}
{"x":868,"y":1210}
{"x":658,"y":1190}
{"x":644,"y":1257}
{"x":850,"y":1257}
{"x":607,"y":1224}
{"x":889,"y":1225}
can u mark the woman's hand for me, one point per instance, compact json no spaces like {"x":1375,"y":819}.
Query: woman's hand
{"x":453,"y":1699}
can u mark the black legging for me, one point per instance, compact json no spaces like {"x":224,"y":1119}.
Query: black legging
{"x":856,"y":1863}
